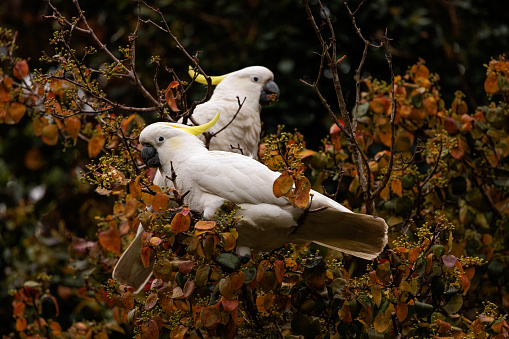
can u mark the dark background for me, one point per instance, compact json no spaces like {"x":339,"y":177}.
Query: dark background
{"x":455,"y":38}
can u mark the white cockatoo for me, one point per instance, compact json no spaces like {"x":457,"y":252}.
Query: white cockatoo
{"x":267,"y":222}
{"x":252,"y":87}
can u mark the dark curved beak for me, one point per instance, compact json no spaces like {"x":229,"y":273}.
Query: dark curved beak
{"x":270,"y":93}
{"x":150,"y":156}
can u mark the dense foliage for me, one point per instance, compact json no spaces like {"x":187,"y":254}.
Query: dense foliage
{"x":435,"y":169}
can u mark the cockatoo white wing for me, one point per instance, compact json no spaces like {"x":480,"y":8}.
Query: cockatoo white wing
{"x":129,"y":269}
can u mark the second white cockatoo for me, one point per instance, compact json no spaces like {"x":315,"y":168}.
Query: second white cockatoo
{"x":239,"y":96}
{"x":267,"y":222}
{"x":252,"y":87}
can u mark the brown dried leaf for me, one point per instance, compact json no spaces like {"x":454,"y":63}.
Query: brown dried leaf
{"x":188,"y":288}
{"x":149,"y":330}
{"x":229,"y":305}
{"x":210,"y":317}
{"x":237,"y":279}
{"x":127,"y":300}
{"x":185,"y":266}
{"x":151,"y":301}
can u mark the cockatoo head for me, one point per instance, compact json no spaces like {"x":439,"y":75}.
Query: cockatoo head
{"x":253,"y":79}
{"x":163,"y":137}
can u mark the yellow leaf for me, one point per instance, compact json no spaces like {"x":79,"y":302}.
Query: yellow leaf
{"x":282,"y":185}
{"x":382,"y":321}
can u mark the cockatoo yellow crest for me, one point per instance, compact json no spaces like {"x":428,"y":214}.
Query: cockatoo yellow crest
{"x":201,"y":79}
{"x":197,"y":130}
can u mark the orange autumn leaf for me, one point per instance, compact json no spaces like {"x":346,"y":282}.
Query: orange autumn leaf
{"x":384,"y":194}
{"x":50,"y":134}
{"x":146,"y":252}
{"x":430,"y":105}
{"x":205,"y":225}
{"x":73,"y":127}
{"x":396,"y":187}
{"x":180,"y":223}
{"x":155,"y":241}
{"x":135,"y":188}
{"x":160,"y":202}
{"x":401,"y":311}
{"x":21,"y":324}
{"x":491,"y":83}
{"x":414,"y":254}
{"x":419,"y":71}
{"x":170,"y":98}
{"x":302,"y":189}
{"x":110,"y":240}
{"x":282,"y":185}
{"x":20,"y":69}
{"x":229,"y":241}
{"x":17,"y":111}
{"x":95,"y":145}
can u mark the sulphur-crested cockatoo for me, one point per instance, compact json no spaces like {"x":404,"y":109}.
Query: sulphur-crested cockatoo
{"x":252,"y":87}
{"x":213,"y":177}
{"x":239,"y":126}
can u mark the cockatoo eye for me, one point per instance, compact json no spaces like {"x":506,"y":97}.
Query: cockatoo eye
{"x":254,"y":78}
{"x":161,"y":138}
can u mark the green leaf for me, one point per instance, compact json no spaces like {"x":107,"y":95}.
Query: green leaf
{"x":338,"y":285}
{"x":438,"y":250}
{"x":250,"y":273}
{"x":229,"y":260}
{"x":305,"y":325}
{"x":202,"y":275}
{"x":383,"y":306}
{"x":422,"y":309}
{"x":495,"y":269}
{"x":454,"y":304}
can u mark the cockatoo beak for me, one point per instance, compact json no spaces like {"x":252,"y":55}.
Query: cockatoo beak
{"x":270,"y":93}
{"x":199,"y":78}
{"x":197,"y":130}
{"x":150,"y":156}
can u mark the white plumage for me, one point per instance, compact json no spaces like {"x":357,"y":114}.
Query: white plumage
{"x":253,"y":87}
{"x":213,"y":177}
